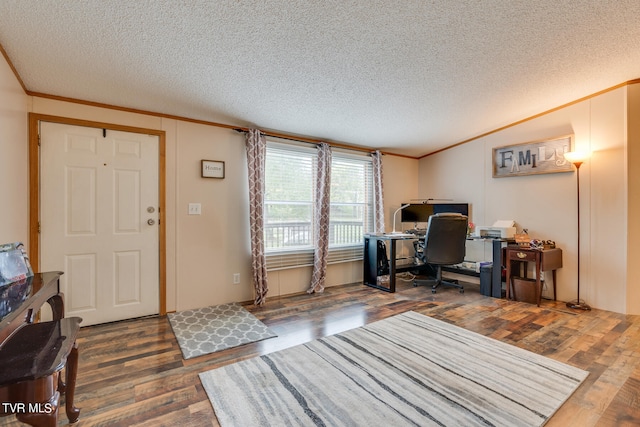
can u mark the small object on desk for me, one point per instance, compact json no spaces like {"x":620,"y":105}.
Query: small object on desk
{"x":502,"y":229}
{"x":523,"y":240}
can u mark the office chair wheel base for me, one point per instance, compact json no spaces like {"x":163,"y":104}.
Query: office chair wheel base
{"x":433,"y":291}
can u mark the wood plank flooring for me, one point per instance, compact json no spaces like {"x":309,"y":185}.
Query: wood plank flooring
{"x":132,"y":372}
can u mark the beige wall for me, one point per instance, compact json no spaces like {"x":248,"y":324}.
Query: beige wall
{"x":633,"y":197}
{"x":399,"y":186}
{"x":213,"y":246}
{"x":546,"y":204}
{"x":14,"y":194}
{"x":203,"y":251}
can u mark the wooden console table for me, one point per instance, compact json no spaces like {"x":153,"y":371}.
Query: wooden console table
{"x":544,"y":259}
{"x":32,"y":355}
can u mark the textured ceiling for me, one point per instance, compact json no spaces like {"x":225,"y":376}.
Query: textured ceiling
{"x":408,"y":77}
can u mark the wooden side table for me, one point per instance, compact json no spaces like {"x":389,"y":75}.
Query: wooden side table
{"x":34,"y":357}
{"x":544,"y":259}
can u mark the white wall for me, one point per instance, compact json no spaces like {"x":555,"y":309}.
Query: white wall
{"x":547,"y":204}
{"x":14,"y":194}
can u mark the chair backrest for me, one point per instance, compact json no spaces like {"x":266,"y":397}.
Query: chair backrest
{"x":445,"y":241}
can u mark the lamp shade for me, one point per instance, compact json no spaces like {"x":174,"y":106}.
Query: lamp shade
{"x":576,"y":156}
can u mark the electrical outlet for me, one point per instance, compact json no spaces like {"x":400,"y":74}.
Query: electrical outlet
{"x":236,"y":278}
{"x":195,"y":208}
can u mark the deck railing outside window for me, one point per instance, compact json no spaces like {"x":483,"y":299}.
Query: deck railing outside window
{"x":291,"y":235}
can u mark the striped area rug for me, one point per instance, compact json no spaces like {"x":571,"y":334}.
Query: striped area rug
{"x":409,"y":369}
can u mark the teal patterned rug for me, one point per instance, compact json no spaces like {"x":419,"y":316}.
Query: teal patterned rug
{"x":408,"y":369}
{"x":211,"y":329}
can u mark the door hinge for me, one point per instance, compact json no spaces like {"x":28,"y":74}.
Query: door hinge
{"x":38,"y":227}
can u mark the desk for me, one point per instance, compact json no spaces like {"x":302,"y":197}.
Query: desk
{"x":544,"y":259}
{"x":371,"y":260}
{"x":371,"y":256}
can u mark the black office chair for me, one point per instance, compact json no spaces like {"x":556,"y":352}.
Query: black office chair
{"x":444,"y":244}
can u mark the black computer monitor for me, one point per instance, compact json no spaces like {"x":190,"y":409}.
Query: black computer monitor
{"x":417,"y":212}
{"x":461,"y":208}
{"x":420,"y":212}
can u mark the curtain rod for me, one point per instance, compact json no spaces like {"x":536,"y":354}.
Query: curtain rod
{"x":310,"y":141}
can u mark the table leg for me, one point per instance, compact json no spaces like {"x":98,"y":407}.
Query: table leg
{"x":538,"y":281}
{"x":508,"y":275}
{"x":392,"y":265}
{"x":72,"y":370}
{"x":57,"y":306}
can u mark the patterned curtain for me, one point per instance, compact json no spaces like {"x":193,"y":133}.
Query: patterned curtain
{"x":321,"y":218}
{"x":378,"y":205}
{"x":256,"y":154}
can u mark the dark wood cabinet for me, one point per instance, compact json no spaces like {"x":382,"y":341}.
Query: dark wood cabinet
{"x":33,"y":354}
{"x":516,"y":259}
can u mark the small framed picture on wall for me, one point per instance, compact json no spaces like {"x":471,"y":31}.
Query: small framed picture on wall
{"x":212,"y":169}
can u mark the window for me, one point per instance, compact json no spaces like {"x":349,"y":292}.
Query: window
{"x":288,"y":200}
{"x":290,"y":172}
{"x":351,"y":200}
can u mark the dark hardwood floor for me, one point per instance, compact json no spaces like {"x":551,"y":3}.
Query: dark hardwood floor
{"x":132,"y":372}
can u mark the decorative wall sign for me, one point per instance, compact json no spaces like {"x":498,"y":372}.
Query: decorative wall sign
{"x":212,"y":169}
{"x":531,"y":158}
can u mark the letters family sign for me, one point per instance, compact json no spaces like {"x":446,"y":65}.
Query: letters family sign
{"x":532,"y":158}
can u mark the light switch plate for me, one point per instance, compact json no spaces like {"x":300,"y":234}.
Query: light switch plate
{"x":195,"y":209}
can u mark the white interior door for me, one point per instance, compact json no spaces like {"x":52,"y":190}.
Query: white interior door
{"x":99,"y":220}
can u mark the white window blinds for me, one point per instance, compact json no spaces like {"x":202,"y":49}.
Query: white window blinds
{"x":289,"y":204}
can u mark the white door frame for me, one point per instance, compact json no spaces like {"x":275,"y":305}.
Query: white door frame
{"x":34,"y":189}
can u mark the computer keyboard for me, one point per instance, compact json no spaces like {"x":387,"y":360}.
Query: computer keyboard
{"x":400,"y":235}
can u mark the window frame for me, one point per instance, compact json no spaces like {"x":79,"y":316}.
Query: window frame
{"x":292,"y":257}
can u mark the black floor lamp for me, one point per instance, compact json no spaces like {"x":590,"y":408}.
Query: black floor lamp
{"x":577,"y":158}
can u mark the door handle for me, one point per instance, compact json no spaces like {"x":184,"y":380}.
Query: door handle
{"x":150,"y":221}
